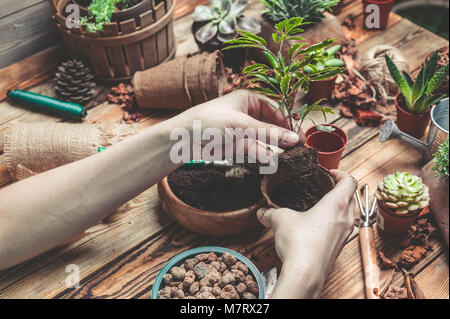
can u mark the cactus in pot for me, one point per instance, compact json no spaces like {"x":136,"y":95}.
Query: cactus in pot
{"x":403,"y":193}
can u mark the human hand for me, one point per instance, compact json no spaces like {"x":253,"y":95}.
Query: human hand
{"x":308,"y":243}
{"x":244,"y":110}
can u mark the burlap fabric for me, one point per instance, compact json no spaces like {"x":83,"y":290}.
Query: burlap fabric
{"x":33,"y":148}
{"x":181,"y":83}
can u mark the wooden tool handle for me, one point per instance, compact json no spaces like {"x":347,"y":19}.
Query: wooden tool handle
{"x":369,"y":261}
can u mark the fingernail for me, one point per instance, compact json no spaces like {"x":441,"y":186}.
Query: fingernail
{"x":290,"y":138}
{"x":260,"y":213}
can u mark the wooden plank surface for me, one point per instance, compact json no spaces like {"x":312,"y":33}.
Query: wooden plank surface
{"x":121,"y":256}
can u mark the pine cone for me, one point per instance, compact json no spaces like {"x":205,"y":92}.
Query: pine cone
{"x":74,"y":82}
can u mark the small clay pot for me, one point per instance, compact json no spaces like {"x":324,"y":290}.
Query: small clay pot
{"x":320,"y":90}
{"x":203,"y":221}
{"x":233,"y":58}
{"x":271,"y":182}
{"x":329,"y":145}
{"x":411,"y":123}
{"x":385,"y":7}
{"x":393,"y":224}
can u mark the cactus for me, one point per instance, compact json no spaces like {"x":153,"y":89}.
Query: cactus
{"x":402,"y":192}
{"x":223,"y":20}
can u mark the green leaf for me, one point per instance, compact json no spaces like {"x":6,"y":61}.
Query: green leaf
{"x":266,"y":91}
{"x":241,"y":46}
{"x":295,"y":47}
{"x":252,"y":37}
{"x":285,"y":84}
{"x":325,"y":128}
{"x":408,"y":79}
{"x":431,"y":100}
{"x":333,"y":50}
{"x":430,"y":67}
{"x":270,"y":104}
{"x":437,"y":79}
{"x":402,"y":84}
{"x":206,"y":33}
{"x":254,"y":67}
{"x":202,"y":13}
{"x":418,"y":86}
{"x":275,"y":37}
{"x":272,"y":60}
{"x":316,"y":47}
{"x":334,"y":62}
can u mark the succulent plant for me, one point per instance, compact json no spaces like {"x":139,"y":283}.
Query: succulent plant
{"x":325,"y":58}
{"x":310,"y":10}
{"x":402,"y":192}
{"x":418,"y":95}
{"x":441,"y":161}
{"x":223,"y":19}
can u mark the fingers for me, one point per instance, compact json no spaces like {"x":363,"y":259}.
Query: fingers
{"x":346,"y":183}
{"x":269,"y":133}
{"x":272,"y":218}
{"x":266,"y":109}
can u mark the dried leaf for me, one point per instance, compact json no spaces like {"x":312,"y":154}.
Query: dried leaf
{"x":412,"y":288}
{"x":412,"y":255}
{"x":386,"y":262}
{"x":396,"y":293}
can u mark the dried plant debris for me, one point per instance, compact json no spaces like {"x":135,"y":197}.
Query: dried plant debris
{"x":394,"y":292}
{"x":349,"y":22}
{"x":412,"y":255}
{"x":123,"y":94}
{"x":419,"y":234}
{"x":412,"y":288}
{"x":355,"y":96}
{"x":385,"y":262}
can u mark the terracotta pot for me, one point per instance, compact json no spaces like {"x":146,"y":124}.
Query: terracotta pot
{"x":411,"y":123}
{"x":320,"y":90}
{"x":270,"y":182}
{"x":385,"y":7}
{"x":203,"y":221}
{"x":329,"y":146}
{"x":390,"y":223}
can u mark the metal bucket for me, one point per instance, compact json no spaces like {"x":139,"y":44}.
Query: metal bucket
{"x":439,"y":126}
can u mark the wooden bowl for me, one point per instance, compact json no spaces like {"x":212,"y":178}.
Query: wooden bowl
{"x":270,"y":182}
{"x":203,"y":221}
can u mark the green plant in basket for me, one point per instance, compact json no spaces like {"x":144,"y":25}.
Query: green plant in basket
{"x":222,"y":20}
{"x":441,"y":161}
{"x":100,"y":12}
{"x":310,"y":10}
{"x":279,"y":79}
{"x":325,"y":58}
{"x":418,"y":94}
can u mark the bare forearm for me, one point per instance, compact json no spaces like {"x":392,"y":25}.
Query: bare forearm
{"x":43,"y":211}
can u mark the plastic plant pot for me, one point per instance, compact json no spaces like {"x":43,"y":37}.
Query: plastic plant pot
{"x":329,"y":145}
{"x":320,"y":90}
{"x":180,"y":258}
{"x":411,"y":123}
{"x":384,"y":9}
{"x":393,"y":224}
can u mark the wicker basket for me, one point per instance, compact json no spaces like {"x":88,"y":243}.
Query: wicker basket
{"x":124,"y":46}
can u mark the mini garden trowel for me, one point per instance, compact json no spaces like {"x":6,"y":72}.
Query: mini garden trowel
{"x":368,"y":249}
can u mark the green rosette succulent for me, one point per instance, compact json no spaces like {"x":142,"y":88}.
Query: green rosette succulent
{"x":223,"y":18}
{"x":402,"y":192}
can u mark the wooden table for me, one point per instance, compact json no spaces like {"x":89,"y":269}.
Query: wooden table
{"x":121,"y":256}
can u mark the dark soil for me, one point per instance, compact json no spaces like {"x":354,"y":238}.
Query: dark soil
{"x":300,"y":191}
{"x":218,"y":189}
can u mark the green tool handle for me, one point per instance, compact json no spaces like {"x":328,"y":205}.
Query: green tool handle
{"x":196,"y":163}
{"x":44,"y":103}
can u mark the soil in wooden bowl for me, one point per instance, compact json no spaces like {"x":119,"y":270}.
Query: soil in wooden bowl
{"x":218,"y":189}
{"x":300,"y":190}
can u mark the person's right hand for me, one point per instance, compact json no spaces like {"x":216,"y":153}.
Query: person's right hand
{"x":308,"y":243}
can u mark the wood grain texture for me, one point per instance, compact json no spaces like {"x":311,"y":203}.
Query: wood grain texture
{"x":120,"y":257}
{"x":26,"y":32}
{"x":434,"y":279}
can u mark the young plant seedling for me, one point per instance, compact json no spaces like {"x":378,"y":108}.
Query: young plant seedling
{"x":100,"y":12}
{"x":280,"y":80}
{"x":418,"y":95}
{"x":325,"y":58}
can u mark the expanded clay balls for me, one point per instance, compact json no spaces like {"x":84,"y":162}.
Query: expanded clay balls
{"x":207,"y":276}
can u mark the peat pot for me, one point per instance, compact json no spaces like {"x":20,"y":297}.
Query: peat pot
{"x":203,"y":221}
{"x":138,"y":38}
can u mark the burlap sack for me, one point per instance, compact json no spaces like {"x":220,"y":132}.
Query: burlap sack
{"x":33,"y":148}
{"x":181,"y":83}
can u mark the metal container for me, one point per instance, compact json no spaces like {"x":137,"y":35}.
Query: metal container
{"x":439,"y":127}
